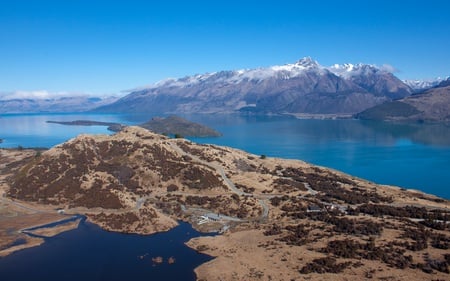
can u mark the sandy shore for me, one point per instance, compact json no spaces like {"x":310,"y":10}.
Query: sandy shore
{"x":55,"y":230}
{"x":11,"y":227}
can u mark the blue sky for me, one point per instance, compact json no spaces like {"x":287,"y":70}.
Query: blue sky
{"x":105,"y":47}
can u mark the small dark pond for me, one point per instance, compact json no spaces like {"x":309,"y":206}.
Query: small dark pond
{"x":90,"y":253}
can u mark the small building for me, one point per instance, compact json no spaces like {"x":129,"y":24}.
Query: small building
{"x":313,"y":209}
{"x":202,"y":220}
{"x":213,"y":217}
{"x":336,"y":208}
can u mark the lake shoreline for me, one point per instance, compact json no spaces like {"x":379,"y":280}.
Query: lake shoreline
{"x":282,"y":194}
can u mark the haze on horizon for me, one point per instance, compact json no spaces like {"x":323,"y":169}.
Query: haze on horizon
{"x":101,"y":47}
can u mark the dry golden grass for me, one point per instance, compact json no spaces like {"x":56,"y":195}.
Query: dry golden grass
{"x":139,"y":182}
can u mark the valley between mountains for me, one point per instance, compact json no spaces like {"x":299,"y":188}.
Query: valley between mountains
{"x":279,"y":219}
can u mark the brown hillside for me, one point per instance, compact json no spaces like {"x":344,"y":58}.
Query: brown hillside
{"x":283,"y":219}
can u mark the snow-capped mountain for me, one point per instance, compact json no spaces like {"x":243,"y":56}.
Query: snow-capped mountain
{"x":374,"y":79}
{"x":348,"y":70}
{"x":422,"y":85}
{"x":286,"y":71}
{"x":301,"y":87}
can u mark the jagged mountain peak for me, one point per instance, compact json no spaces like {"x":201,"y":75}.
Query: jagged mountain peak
{"x":419,"y":85}
{"x":301,"y":87}
{"x":308,"y":62}
{"x":348,"y":70}
{"x":445,"y":82}
{"x":286,"y":71}
{"x":294,"y":69}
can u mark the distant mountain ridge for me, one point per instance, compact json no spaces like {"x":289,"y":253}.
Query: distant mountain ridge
{"x":302,"y":87}
{"x":431,"y":105}
{"x":422,"y":85}
{"x":54,"y":105}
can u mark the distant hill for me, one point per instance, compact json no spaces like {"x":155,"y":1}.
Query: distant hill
{"x":174,"y":125}
{"x":304,"y":87}
{"x":432,"y":105}
{"x":60,"y":104}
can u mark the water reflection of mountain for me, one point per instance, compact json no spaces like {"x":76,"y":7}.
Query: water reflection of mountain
{"x":375,"y":132}
{"x":324,"y":131}
{"x":429,"y":134}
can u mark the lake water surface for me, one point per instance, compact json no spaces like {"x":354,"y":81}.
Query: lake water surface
{"x":412,"y":156}
{"x":407,"y":155}
{"x":90,"y":253}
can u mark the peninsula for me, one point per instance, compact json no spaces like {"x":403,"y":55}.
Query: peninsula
{"x":175,"y":125}
{"x":114,"y":127}
{"x":279,"y":219}
{"x":172,"y":125}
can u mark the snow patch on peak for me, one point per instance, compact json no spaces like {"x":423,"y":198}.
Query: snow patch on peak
{"x":307,"y":62}
{"x":303,"y":64}
{"x":343,"y":67}
{"x":302,"y":67}
{"x":419,"y":85}
{"x":182,"y":82}
{"x":349,"y":70}
{"x":286,"y":71}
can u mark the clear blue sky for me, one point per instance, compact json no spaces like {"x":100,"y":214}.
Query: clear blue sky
{"x":104,"y":47}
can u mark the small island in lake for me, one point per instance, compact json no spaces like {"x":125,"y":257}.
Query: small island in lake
{"x":114,"y":127}
{"x":172,"y":125}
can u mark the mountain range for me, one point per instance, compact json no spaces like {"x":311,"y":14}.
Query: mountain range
{"x":58,"y":104}
{"x":304,"y":87}
{"x":422,"y":85}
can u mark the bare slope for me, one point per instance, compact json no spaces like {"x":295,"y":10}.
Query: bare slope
{"x":286,"y":219}
{"x":431,"y":105}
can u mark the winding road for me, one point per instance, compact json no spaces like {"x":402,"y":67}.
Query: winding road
{"x":227,"y":181}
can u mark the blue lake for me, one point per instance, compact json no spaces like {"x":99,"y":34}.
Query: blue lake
{"x":407,"y":155}
{"x":412,"y":156}
{"x":90,"y":253}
